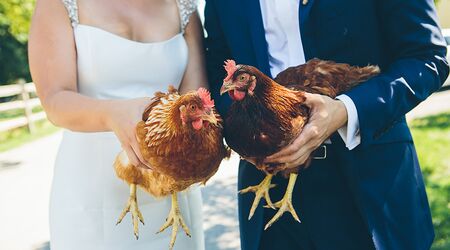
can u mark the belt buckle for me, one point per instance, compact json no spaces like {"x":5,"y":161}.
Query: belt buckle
{"x":321,"y":151}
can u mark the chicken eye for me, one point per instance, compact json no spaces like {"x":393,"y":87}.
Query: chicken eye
{"x":192,"y":107}
{"x":241,"y":78}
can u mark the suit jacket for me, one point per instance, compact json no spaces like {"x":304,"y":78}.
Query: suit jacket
{"x":404,"y":39}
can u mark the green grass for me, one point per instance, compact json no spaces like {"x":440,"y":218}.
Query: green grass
{"x":6,"y":115}
{"x":432,"y":140}
{"x":16,"y":137}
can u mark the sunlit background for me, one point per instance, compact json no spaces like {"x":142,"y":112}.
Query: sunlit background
{"x":28,"y":145}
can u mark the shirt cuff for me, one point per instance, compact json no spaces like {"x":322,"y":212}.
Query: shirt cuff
{"x":350,"y":132}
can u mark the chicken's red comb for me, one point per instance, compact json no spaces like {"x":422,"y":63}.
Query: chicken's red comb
{"x":230,"y":67}
{"x":206,"y":97}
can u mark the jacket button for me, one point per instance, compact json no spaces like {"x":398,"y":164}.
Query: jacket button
{"x":345,"y":32}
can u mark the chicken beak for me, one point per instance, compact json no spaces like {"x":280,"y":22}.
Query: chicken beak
{"x":210,"y":117}
{"x":227,"y":86}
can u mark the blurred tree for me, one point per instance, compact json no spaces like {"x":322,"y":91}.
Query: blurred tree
{"x":15,"y":18}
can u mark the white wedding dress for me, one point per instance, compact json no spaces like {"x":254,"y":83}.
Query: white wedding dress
{"x":87,"y":198}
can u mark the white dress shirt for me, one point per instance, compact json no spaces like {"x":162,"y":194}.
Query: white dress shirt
{"x":282,"y":32}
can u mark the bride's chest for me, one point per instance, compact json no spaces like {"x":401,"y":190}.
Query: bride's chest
{"x":107,"y":61}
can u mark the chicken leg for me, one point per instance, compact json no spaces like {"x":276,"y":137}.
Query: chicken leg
{"x":174,"y":219}
{"x":260,"y":190}
{"x":285,"y":204}
{"x":135,"y":213}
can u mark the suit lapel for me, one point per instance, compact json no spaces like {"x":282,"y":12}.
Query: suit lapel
{"x":304,"y":10}
{"x":305,"y":29}
{"x":256,"y":27}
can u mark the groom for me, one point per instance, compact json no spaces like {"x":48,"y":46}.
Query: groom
{"x":368,"y":192}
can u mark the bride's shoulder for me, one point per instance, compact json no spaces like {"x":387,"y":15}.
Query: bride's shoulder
{"x":55,"y":11}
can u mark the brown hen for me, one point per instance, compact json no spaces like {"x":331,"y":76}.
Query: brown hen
{"x":180,"y":136}
{"x":267,"y":115}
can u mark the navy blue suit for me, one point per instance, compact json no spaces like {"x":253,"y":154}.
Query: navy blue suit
{"x":380,"y":181}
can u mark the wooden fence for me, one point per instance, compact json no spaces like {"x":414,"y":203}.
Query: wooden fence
{"x":26,"y":102}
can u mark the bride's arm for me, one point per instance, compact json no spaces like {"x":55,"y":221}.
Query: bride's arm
{"x":52,"y":58}
{"x":195,"y":75}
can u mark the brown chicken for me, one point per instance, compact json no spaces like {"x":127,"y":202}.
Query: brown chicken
{"x":267,"y":115}
{"x":181,"y":138}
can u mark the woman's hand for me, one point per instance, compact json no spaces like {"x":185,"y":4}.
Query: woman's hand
{"x":122,"y":118}
{"x":327,"y":115}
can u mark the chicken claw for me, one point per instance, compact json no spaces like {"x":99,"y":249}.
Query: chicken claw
{"x":135,"y":213}
{"x":285,"y":204}
{"x":260,"y":190}
{"x":174,"y":219}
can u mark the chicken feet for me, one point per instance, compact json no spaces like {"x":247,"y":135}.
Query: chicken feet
{"x":135,"y":213}
{"x":260,"y":190}
{"x":285,"y":204}
{"x":174,"y":219}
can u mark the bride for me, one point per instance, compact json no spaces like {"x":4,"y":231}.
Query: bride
{"x":96,"y":63}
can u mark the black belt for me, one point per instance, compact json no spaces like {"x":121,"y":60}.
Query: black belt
{"x":320,"y":153}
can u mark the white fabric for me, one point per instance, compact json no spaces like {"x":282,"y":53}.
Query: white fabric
{"x":87,"y":198}
{"x":282,"y":33}
{"x":350,"y":133}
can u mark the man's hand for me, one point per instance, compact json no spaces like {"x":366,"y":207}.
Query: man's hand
{"x":327,"y":115}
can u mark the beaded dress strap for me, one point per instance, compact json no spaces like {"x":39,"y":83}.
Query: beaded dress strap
{"x":72,"y":10}
{"x":186,"y":8}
